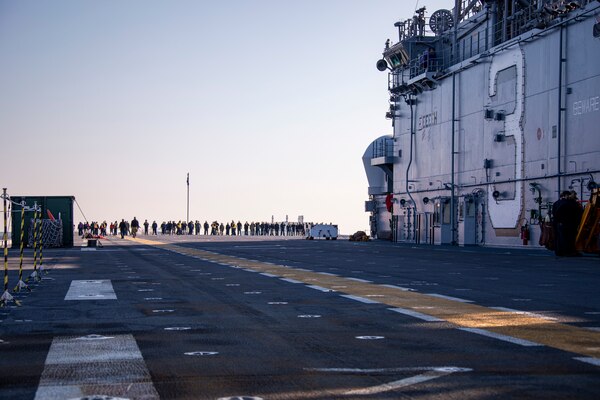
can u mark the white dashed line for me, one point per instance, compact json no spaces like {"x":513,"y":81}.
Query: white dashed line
{"x":361,"y":299}
{"x":505,"y":338}
{"x":441,"y":296}
{"x":404,"y":289}
{"x":416,"y":314}
{"x":320,"y":288}
{"x":359,"y":280}
{"x":589,"y":360}
{"x":289,"y":280}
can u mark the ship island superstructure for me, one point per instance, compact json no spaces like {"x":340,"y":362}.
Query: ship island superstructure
{"x":495,"y":109}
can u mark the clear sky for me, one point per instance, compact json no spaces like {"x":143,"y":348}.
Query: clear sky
{"x":268,"y":104}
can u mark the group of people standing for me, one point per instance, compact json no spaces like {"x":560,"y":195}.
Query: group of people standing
{"x":125,"y":228}
{"x":233,"y":228}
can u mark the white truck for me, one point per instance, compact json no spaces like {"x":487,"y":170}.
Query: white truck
{"x":329,"y":232}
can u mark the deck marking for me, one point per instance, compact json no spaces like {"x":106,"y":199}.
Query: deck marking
{"x":528,"y":313}
{"x":441,"y":296}
{"x":320,"y":288}
{"x":589,"y":360}
{"x":416,"y":314}
{"x":268,"y":275}
{"x":117,"y":364}
{"x":201,"y":353}
{"x":428,"y":373}
{"x":91,"y":290}
{"x":506,"y":338}
{"x":290,"y":280}
{"x":359,"y":280}
{"x":361,"y":299}
{"x":546,"y":332}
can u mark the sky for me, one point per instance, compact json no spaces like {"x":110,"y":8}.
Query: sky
{"x":269,"y":105}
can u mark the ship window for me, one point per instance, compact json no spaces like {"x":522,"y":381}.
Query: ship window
{"x":446,"y":212}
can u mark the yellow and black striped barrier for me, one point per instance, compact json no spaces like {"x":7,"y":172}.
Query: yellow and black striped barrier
{"x":21,"y":284}
{"x":6,"y":296}
{"x":35,"y":275}
{"x":41,"y":244}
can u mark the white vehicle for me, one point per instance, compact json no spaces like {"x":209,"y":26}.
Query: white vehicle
{"x":323,"y":231}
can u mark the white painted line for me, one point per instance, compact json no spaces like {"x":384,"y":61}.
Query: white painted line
{"x":327,"y":273}
{"x":510,"y":339}
{"x":91,"y":290}
{"x":391,"y":386}
{"x":269,"y":275}
{"x":88,"y":249}
{"x":589,"y":360}
{"x":249,"y":270}
{"x":415,"y":314}
{"x":290,"y":280}
{"x":361,"y":299}
{"x":369,"y":371}
{"x":320,"y":288}
{"x":397,"y":287}
{"x":359,"y":280}
{"x":70,"y":361}
{"x":530,"y":314}
{"x":441,"y":296}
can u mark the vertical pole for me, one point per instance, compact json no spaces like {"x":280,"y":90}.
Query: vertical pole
{"x":6,"y":296}
{"x":21,"y":284}
{"x":34,"y":274}
{"x":41,"y":238}
{"x":560,"y":110}
{"x":188,"y":199}
{"x":5,"y":239}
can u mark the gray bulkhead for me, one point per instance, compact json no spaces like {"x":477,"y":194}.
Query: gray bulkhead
{"x":527,"y":125}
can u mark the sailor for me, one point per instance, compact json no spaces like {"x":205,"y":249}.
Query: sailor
{"x":206,"y":227}
{"x":146,"y":225}
{"x":566,"y":214}
{"x":135,"y":225}
{"x":154,"y":227}
{"x":123,"y":228}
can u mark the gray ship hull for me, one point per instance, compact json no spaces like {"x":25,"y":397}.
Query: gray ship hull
{"x":483,"y":146}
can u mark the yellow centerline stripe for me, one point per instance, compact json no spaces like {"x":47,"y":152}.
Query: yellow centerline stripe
{"x":519,"y":325}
